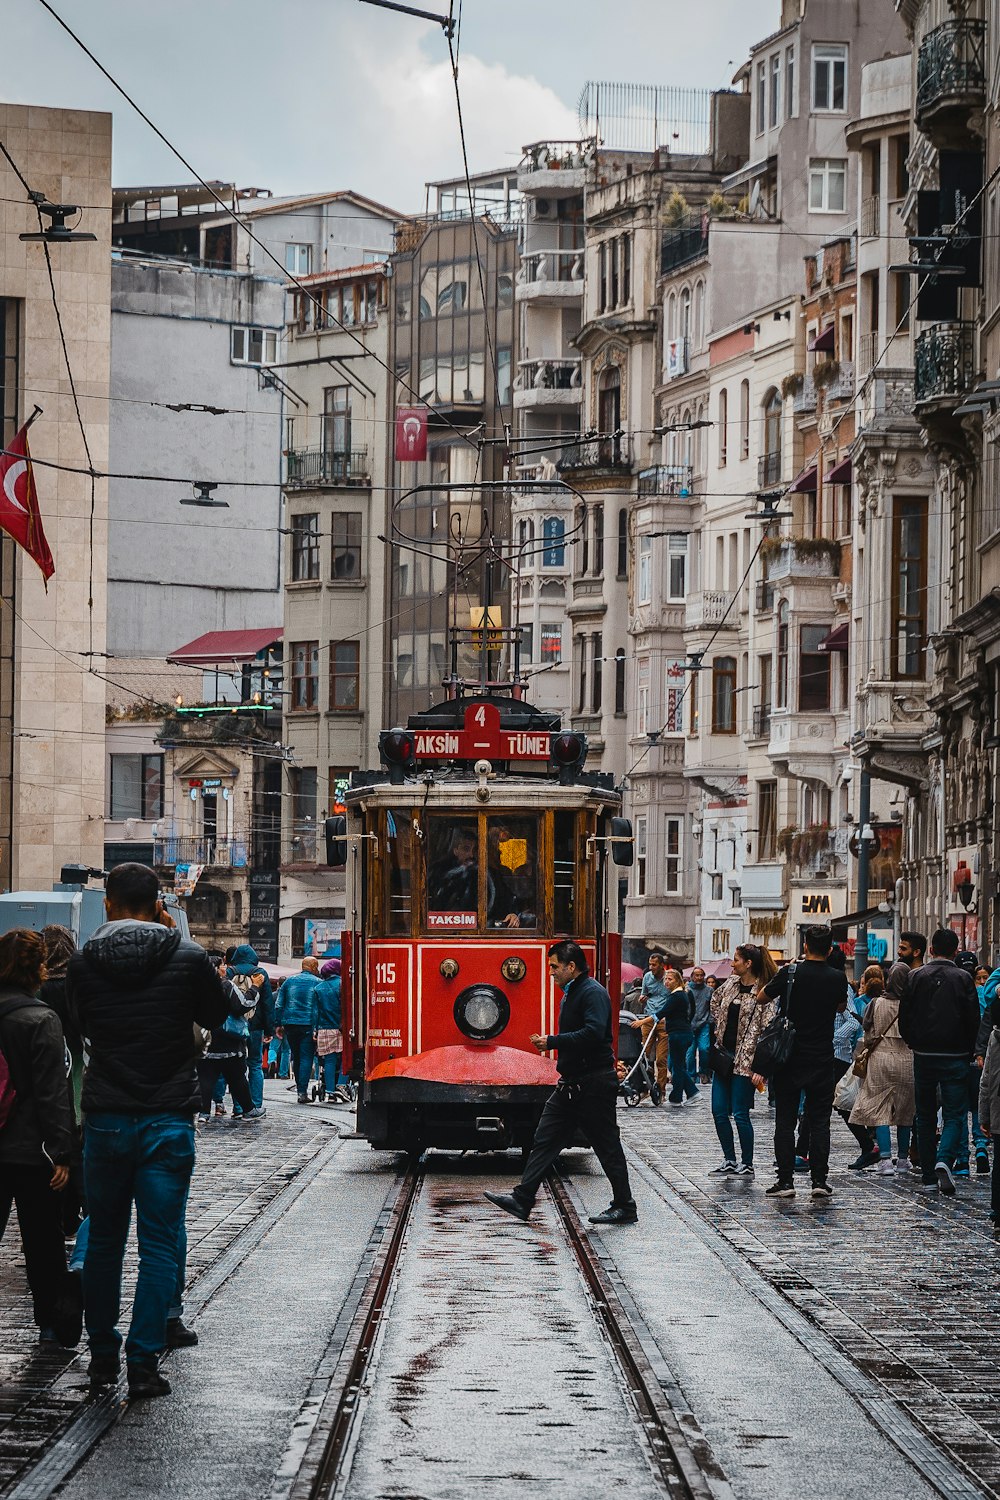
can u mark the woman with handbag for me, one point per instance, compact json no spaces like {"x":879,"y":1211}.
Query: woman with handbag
{"x":737,"y":1018}
{"x":884,"y":1063}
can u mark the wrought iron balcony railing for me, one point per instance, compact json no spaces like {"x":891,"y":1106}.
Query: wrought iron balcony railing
{"x":679,"y":246}
{"x":599,"y":453}
{"x":951,"y":68}
{"x":667,"y":479}
{"x":219,"y":853}
{"x":944,"y":363}
{"x":314,"y":466}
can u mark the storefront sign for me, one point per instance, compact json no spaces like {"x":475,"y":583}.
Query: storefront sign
{"x":265,"y":892}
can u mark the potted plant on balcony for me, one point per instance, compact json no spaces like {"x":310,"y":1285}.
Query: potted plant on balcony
{"x":785,"y":841}
{"x":826,"y":373}
{"x":675,"y":211}
{"x":792,"y":384}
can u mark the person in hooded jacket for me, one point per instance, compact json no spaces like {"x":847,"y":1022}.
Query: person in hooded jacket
{"x":243,"y":968}
{"x":225,"y":1059}
{"x":329,"y":1037}
{"x":37,"y":1141}
{"x":138,"y":990}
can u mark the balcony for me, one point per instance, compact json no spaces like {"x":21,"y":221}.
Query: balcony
{"x":764,"y":597}
{"x":545,"y":383}
{"x":611,"y":454}
{"x":944,"y":366}
{"x":804,"y":399}
{"x":681,"y":246}
{"x":550,"y":276}
{"x":309,"y":468}
{"x":557,"y":169}
{"x":711,"y":608}
{"x":869,"y":225}
{"x":760,"y":727}
{"x":804,"y":559}
{"x":674,"y":481}
{"x":214,"y":853}
{"x":768,"y":469}
{"x":951,"y":78}
{"x":888,"y":398}
{"x":842,"y":388}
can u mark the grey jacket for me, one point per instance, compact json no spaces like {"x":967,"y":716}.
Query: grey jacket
{"x":989,"y":1087}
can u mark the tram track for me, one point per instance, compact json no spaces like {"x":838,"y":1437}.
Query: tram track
{"x":668,"y":1445}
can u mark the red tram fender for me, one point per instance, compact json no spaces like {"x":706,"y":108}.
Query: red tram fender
{"x":481,"y":1064}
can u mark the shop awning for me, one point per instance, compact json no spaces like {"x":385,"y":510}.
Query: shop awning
{"x":841,"y":473}
{"x":222,"y":647}
{"x":838,"y":639}
{"x":806,"y":482}
{"x":823,"y":343}
{"x":858,"y":918}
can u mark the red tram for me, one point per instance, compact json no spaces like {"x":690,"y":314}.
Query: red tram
{"x":480,"y":843}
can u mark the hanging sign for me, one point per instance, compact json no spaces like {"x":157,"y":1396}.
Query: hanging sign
{"x":482,"y":738}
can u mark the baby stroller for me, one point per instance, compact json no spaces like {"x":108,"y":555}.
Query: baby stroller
{"x":640,"y":1076}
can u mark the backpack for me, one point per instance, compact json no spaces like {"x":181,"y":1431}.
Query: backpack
{"x":249,"y":994}
{"x":8,"y":1094}
{"x":776,"y":1041}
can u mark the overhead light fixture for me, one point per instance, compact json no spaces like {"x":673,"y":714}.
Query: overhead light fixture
{"x":203,"y":496}
{"x":56,"y":233}
{"x":926,"y":268}
{"x":769,"y":511}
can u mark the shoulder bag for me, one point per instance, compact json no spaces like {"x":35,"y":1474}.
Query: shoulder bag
{"x":863,"y":1055}
{"x":776,"y":1041}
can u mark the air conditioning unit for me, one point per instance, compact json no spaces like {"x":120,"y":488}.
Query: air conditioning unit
{"x":545,"y":208}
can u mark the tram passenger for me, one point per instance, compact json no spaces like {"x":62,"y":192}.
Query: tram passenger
{"x":453,"y":879}
{"x":585,"y":1097}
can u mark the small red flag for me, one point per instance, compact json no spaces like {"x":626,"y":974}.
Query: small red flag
{"x":411,"y":434}
{"x":19,"y":515}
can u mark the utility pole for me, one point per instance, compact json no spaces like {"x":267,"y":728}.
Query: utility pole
{"x":864,"y":854}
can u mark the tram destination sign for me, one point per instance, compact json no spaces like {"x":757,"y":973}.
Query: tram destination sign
{"x":482,"y":738}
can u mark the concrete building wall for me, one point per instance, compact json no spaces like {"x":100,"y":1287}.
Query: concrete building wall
{"x":52,"y":802}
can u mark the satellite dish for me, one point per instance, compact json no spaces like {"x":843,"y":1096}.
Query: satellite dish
{"x":755,"y":203}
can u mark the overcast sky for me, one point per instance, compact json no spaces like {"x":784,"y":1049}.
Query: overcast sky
{"x":308,"y":95}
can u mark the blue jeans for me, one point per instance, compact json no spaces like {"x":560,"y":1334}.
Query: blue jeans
{"x":256,"y":1067}
{"x":979,"y":1141}
{"x":279,"y":1052}
{"x":678,"y":1046}
{"x":331,"y":1070}
{"x":146,"y":1160}
{"x":303,"y":1045}
{"x":698,"y":1051}
{"x":733,"y":1097}
{"x":951,"y":1075}
{"x":883,"y":1140}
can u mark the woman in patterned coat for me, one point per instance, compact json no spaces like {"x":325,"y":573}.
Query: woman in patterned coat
{"x":737,"y":1018}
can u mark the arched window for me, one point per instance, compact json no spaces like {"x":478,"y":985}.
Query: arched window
{"x":781,"y":663}
{"x":609,"y":412}
{"x":553,"y":534}
{"x":698,"y":333}
{"x":622,"y":543}
{"x":744,"y":419}
{"x":583,"y":538}
{"x":685,"y":311}
{"x":672,"y":316}
{"x":620,"y":680}
{"x":687,"y":439}
{"x":772,"y":437}
{"x":724,"y":695}
{"x":723,"y":427}
{"x":525,"y":536}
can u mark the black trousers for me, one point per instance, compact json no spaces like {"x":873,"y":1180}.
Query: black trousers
{"x":587,"y":1106}
{"x":234,"y":1071}
{"x":39,"y":1215}
{"x":816,"y":1081}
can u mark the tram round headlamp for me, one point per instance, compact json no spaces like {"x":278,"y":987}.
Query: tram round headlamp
{"x":482,"y":1012}
{"x":567,"y":749}
{"x":397,"y":746}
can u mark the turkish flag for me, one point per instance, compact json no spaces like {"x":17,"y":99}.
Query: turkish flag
{"x":411,"y":434}
{"x":19,"y":515}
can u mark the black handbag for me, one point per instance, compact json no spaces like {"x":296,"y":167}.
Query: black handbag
{"x":774,"y":1046}
{"x":721,"y":1060}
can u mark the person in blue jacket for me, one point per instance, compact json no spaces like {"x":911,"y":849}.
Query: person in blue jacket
{"x":329,"y":1037}
{"x":295,"y":1017}
{"x":243,"y":961}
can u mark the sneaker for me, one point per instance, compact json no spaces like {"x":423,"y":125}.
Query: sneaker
{"x":884,"y":1167}
{"x":695,"y":1098}
{"x":781,"y":1190}
{"x":254,"y":1114}
{"x":945,"y":1178}
{"x":203,"y":1119}
{"x":962,"y":1171}
{"x":728,"y":1169}
{"x":927,"y":1188}
{"x":220,"y":1109}
{"x":745,"y":1169}
{"x":676,"y":1103}
{"x":802,"y":1164}
{"x":903,"y":1166}
{"x":866,"y":1159}
{"x":982,"y":1163}
{"x":822,"y":1190}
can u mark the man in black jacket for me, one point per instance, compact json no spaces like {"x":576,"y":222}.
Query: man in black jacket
{"x":138,"y":989}
{"x":585,"y":1097}
{"x":938,"y":1020}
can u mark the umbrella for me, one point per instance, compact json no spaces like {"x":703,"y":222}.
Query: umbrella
{"x":630,"y":972}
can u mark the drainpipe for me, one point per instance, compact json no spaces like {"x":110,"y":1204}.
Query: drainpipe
{"x":897,"y":916}
{"x":864,"y":854}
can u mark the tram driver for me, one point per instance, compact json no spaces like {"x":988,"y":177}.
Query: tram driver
{"x":453,"y":880}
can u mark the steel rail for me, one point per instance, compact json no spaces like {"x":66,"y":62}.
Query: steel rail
{"x":684,"y":1466}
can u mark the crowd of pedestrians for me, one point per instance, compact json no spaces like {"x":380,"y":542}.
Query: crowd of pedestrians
{"x":108,"y":1055}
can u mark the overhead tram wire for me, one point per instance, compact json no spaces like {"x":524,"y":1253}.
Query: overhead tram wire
{"x":232,"y":214}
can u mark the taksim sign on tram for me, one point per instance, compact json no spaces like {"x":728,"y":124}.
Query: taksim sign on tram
{"x":482,"y":738}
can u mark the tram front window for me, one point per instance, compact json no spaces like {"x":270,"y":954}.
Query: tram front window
{"x":512,"y":872}
{"x":455,"y":882}
{"x":452,"y":874}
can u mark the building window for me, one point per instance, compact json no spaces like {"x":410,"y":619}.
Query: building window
{"x":602,"y":277}
{"x":909,"y":588}
{"x":626,"y":243}
{"x":597,"y":515}
{"x":581,"y":673}
{"x":827,"y":185}
{"x":723,"y":427}
{"x":772,"y":437}
{"x":298,"y":259}
{"x":642,"y":694}
{"x":781,"y":665}
{"x":767,"y":820}
{"x":673,"y":849}
{"x":305,"y":548}
{"x":595,"y":676}
{"x":305,"y":674}
{"x":724,"y":695}
{"x":620,"y":680}
{"x":677,"y":556}
{"x":640,"y":856}
{"x":814,"y":670}
{"x":775,"y":114}
{"x":136,"y":787}
{"x":761,"y":97}
{"x":345,"y":673}
{"x":304,"y":785}
{"x":614,"y":280}
{"x":252,"y":346}
{"x":527,"y":642}
{"x":674,"y":677}
{"x":644,"y":581}
{"x":789,"y":82}
{"x":609,"y":411}
{"x":336,"y":428}
{"x":338,"y":785}
{"x":623,"y":544}
{"x":744,"y":419}
{"x":583,"y":537}
{"x":553,"y":537}
{"x":551,"y":644}
{"x":829,"y":79}
{"x":715,"y":887}
{"x":345,"y":546}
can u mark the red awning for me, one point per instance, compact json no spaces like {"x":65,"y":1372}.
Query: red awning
{"x":841,"y":473}
{"x":222,"y":647}
{"x":806,"y":482}
{"x":838,"y":639}
{"x":823,"y":342}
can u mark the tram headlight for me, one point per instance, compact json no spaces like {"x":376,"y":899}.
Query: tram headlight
{"x":482,"y":1012}
{"x":568,"y":752}
{"x":396,"y":747}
